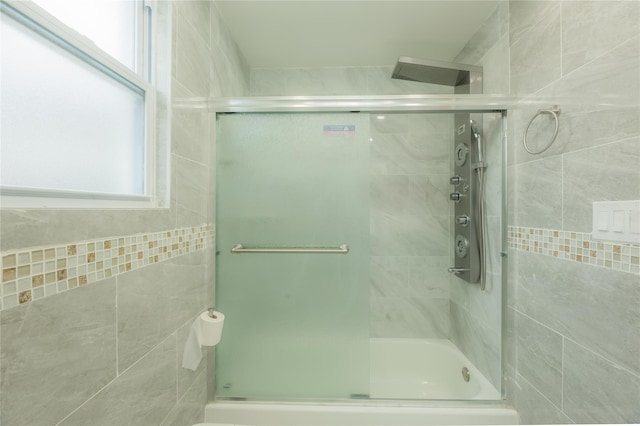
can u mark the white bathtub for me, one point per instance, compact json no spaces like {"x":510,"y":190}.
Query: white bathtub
{"x":401,"y":369}
{"x":273,"y":414}
{"x":424,"y":369}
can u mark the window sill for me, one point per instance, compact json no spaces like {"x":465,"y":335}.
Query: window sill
{"x":28,"y":199}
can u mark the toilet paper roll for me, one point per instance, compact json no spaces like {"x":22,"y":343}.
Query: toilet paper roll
{"x":205,"y":331}
{"x":211,"y":328}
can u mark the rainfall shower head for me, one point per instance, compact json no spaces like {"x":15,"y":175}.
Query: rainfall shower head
{"x":435,"y":72}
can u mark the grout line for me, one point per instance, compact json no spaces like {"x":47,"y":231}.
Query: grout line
{"x":190,"y":159}
{"x":177,"y":370}
{"x":408,"y":281}
{"x":116,"y":330}
{"x":580,"y":150}
{"x":179,"y":400}
{"x":562,"y":376}
{"x":544,"y":396}
{"x":114,"y":379}
{"x":538,"y":322}
{"x":562,"y":160}
{"x":536,"y":160}
{"x":617,"y":46}
{"x":574,"y":341}
{"x":561,"y":39}
{"x":563,"y":77}
{"x":607,"y":360}
{"x":514,"y":332}
{"x":520,"y":37}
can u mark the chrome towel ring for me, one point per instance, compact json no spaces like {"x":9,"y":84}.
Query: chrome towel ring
{"x":554,"y":111}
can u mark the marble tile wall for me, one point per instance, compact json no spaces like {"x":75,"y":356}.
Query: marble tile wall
{"x":109,"y":352}
{"x":81,"y":342}
{"x":476,"y":315}
{"x":572,"y":345}
{"x":410,"y":211}
{"x":335,"y":81}
{"x":577,"y":247}
{"x":562,"y":286}
{"x":33,"y":273}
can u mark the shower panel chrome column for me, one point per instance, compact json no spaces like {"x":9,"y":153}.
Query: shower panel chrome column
{"x":467,"y":195}
{"x":469,"y":165}
{"x":468,"y":189}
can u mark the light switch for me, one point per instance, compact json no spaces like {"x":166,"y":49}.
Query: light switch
{"x":603,"y":220}
{"x":634,"y":222}
{"x":618,"y":220}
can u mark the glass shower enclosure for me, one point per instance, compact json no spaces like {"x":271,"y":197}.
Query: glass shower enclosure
{"x":334,"y":236}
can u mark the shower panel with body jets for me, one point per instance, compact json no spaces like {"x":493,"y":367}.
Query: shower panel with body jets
{"x":469,"y":163}
{"x":468,"y":196}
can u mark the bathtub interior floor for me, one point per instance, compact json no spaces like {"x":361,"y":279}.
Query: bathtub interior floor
{"x":424,"y":369}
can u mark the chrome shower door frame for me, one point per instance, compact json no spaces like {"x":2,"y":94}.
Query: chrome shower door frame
{"x":469,"y":105}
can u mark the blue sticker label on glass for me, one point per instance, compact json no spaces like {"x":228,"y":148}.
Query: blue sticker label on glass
{"x":339,"y":129}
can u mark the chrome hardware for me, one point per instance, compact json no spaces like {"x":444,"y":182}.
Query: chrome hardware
{"x":466,"y":375}
{"x":469,"y":217}
{"x":239,"y":248}
{"x":457,"y":270}
{"x":462,"y":246}
{"x":463,"y":220}
{"x":479,"y":165}
{"x":504,"y":254}
{"x":554,"y":112}
{"x":211,"y":313}
{"x":461,"y":154}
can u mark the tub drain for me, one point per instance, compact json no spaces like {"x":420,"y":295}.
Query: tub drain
{"x":465,"y":374}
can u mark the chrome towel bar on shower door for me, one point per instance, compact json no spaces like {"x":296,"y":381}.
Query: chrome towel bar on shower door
{"x":239,"y":248}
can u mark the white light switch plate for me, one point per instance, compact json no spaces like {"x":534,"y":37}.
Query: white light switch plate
{"x":616,"y":221}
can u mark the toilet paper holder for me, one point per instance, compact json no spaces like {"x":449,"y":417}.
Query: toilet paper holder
{"x":206,"y":330}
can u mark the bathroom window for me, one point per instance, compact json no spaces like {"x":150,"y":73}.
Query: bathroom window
{"x":78,"y":104}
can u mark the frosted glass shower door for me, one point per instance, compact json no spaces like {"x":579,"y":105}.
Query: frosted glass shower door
{"x":297,"y":325}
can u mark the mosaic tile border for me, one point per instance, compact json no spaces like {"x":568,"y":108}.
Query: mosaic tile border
{"x":577,"y":247}
{"x":34,"y":273}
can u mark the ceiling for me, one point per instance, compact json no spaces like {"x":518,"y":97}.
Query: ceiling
{"x":312,"y":33}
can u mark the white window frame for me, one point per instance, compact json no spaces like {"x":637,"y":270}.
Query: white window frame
{"x":142,"y":79}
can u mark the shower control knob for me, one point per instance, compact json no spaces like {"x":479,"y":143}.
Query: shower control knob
{"x":455,"y":180}
{"x":460,"y":154}
{"x":461,"y":246}
{"x":463,"y":220}
{"x":455,"y":196}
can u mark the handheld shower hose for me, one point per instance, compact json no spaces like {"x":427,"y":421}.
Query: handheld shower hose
{"x":479,"y":206}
